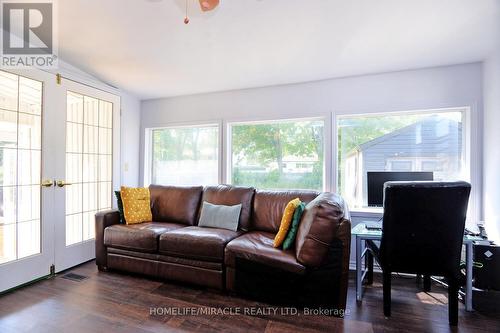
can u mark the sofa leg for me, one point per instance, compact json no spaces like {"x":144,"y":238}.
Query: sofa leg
{"x":102,"y":268}
{"x":387,"y":293}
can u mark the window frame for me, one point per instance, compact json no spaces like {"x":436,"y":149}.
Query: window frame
{"x":148,"y":165}
{"x":470,"y":159}
{"x":327,"y":166}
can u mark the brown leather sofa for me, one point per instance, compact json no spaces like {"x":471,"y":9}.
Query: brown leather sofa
{"x":173,"y":247}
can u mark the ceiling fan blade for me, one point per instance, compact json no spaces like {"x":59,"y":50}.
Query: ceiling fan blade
{"x":207,"y":5}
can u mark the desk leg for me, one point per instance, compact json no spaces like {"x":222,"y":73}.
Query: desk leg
{"x":369,"y":266}
{"x":468,"y":283}
{"x":358,"y":269}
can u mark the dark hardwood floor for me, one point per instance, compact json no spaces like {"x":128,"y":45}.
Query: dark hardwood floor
{"x":114,"y":302}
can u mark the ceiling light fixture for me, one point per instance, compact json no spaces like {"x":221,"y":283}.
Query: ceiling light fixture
{"x":206,"y":5}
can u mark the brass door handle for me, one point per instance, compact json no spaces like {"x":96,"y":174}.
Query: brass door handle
{"x":62,"y":183}
{"x":47,"y":183}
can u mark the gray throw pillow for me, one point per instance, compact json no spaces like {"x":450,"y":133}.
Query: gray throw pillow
{"x":219,"y":216}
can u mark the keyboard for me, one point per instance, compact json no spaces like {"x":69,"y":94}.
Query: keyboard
{"x":373,"y":225}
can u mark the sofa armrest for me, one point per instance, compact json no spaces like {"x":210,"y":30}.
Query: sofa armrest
{"x":103,"y":220}
{"x":326,"y":219}
{"x":325,"y":226}
{"x":344,"y":235}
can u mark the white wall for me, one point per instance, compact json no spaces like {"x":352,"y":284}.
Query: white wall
{"x":416,"y":89}
{"x":130,"y":138}
{"x":491,"y":137}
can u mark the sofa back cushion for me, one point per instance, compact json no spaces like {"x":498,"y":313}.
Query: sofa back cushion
{"x":268,"y":207}
{"x":322,"y":223}
{"x":177,"y":204}
{"x":220,"y":216}
{"x":229,"y":196}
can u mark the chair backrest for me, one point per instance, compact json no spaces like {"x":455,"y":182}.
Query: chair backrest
{"x":423,"y":227}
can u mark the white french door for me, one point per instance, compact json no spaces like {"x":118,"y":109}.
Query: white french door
{"x":57,"y":147}
{"x":26,"y":225}
{"x":86,"y":174}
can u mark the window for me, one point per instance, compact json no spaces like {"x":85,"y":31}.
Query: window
{"x":425,"y":141}
{"x":278,"y":155}
{"x":185,"y":155}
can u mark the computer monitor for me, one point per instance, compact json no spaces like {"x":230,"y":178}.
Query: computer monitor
{"x":376,"y":180}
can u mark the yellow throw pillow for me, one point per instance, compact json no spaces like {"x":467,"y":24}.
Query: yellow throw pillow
{"x":286,"y":221}
{"x":136,"y":204}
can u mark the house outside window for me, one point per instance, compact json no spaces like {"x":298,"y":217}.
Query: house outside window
{"x":421,"y":141}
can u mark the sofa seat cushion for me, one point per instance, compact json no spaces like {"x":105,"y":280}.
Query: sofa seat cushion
{"x":197,"y":243}
{"x":142,"y":237}
{"x":257,"y":246}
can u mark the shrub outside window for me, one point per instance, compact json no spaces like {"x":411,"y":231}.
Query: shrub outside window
{"x":278,"y":154}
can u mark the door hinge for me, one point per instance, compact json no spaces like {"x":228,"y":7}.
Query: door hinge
{"x":58,"y":78}
{"x":52,"y":270}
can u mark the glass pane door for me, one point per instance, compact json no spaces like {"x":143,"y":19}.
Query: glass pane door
{"x":89,"y":128}
{"x":65,"y":134}
{"x":85,"y":183}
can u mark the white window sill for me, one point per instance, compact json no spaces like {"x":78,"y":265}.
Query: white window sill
{"x":368,"y":212}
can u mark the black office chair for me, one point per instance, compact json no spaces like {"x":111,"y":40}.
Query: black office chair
{"x":423,"y":227}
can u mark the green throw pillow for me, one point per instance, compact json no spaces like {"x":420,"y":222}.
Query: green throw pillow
{"x":292,"y":233}
{"x":120,"y":206}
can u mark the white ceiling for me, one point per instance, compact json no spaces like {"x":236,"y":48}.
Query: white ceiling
{"x":143,"y":46}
